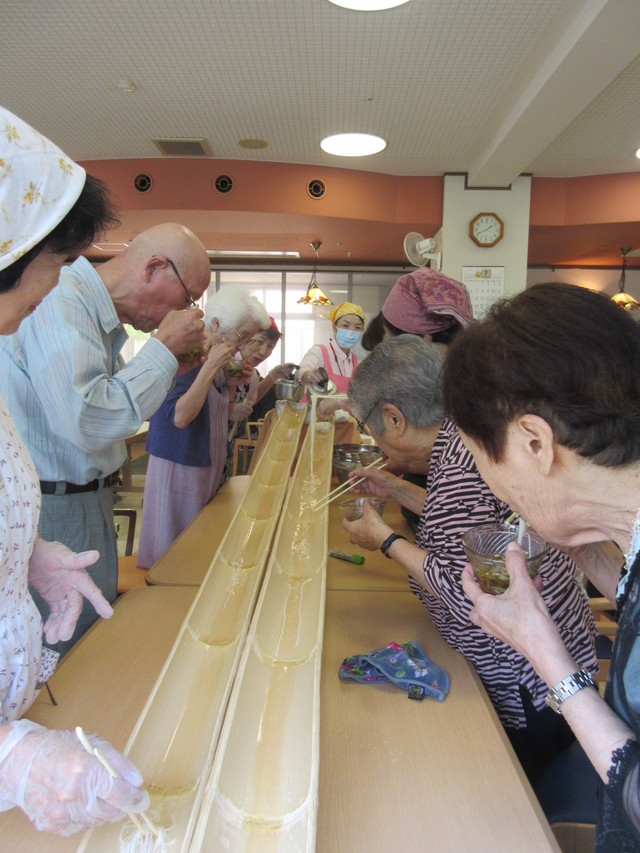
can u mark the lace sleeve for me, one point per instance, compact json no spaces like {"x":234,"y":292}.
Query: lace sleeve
{"x":621,"y":802}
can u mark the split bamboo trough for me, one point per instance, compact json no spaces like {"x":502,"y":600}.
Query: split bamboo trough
{"x":228,"y":741}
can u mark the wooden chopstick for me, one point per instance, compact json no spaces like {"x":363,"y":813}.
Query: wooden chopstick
{"x":345,"y":487}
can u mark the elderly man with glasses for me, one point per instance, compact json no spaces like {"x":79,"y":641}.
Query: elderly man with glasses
{"x":74,"y":399}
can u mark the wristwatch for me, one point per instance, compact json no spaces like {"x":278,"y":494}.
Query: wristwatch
{"x":567,"y":687}
{"x":388,"y":542}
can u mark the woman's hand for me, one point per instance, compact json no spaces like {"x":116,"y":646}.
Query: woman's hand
{"x":240,"y":411}
{"x":60,"y":576}
{"x":518,"y":617}
{"x":314,"y":377}
{"x":59,"y":785}
{"x":243,"y":379}
{"x":382,"y":484}
{"x":328,"y":405}
{"x":368,"y":532}
{"x":219,"y":355}
{"x":281,"y":371}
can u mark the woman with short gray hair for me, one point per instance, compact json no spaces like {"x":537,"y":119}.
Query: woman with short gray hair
{"x":397,"y":392}
{"x":187,"y":441}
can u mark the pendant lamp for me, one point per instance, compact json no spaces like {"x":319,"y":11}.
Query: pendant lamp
{"x":314,"y":296}
{"x":624,"y":300}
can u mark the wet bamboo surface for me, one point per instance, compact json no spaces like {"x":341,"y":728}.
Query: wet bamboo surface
{"x":262,"y":795}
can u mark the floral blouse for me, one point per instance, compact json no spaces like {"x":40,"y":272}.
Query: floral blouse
{"x":20,"y":622}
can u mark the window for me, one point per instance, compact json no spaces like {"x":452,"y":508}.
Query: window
{"x":301,"y":325}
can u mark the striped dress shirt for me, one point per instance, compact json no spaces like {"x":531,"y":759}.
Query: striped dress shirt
{"x":67,"y":387}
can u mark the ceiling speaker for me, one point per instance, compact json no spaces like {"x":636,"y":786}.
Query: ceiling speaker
{"x":142,"y":182}
{"x":316,"y":188}
{"x":224,"y":184}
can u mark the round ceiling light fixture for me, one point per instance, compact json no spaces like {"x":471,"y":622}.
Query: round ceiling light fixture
{"x":353,"y":144}
{"x":252,"y":143}
{"x":368,"y":5}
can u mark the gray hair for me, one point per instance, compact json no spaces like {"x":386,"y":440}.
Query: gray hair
{"x":404,"y":371}
{"x":231,"y":305}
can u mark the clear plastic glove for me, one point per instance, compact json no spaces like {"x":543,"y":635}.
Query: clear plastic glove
{"x":60,"y":576}
{"x":327,"y":406}
{"x":282,"y":371}
{"x":61,"y":787}
{"x":240,"y":411}
{"x":312,"y":377}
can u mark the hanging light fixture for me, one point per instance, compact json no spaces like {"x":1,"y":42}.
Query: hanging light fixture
{"x":624,"y":300}
{"x":314,"y":296}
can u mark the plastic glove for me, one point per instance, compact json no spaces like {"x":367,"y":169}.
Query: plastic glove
{"x":328,"y":405}
{"x":60,"y":786}
{"x":312,"y":377}
{"x":282,"y":371}
{"x":60,"y":576}
{"x":240,"y":411}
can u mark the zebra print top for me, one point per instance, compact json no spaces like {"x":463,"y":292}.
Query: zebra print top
{"x":457,"y":499}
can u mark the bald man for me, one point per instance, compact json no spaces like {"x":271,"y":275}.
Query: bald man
{"x":73,"y":398}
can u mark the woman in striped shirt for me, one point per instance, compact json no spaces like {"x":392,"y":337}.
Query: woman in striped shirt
{"x":397,"y":392}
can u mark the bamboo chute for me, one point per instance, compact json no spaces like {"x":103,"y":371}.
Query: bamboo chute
{"x":262,"y":794}
{"x":174,"y":740}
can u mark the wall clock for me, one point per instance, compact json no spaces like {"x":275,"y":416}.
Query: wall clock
{"x":486,"y":229}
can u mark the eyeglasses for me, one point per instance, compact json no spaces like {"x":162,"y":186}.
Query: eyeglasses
{"x":362,"y":424}
{"x":190,"y":300}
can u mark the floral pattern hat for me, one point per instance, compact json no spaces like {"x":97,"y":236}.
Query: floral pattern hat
{"x":39,"y":185}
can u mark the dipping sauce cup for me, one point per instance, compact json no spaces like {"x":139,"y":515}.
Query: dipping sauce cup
{"x":485,"y":548}
{"x":352,"y":509}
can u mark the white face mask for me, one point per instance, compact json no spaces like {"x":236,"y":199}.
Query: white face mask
{"x":347,"y":338}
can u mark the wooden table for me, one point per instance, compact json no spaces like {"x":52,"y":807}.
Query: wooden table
{"x":394,"y":773}
{"x":416,"y":776}
{"x":187,"y":560}
{"x":102,"y":685}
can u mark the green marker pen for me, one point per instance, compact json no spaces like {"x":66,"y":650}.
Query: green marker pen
{"x":350,"y":558}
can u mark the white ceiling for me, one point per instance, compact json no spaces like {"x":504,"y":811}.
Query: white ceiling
{"x":493,"y":88}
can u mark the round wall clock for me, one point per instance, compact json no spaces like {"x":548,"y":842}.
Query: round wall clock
{"x":486,"y":229}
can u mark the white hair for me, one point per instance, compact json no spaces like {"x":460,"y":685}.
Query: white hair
{"x":232,"y":305}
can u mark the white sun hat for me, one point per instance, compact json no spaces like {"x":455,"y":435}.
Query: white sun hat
{"x":39,"y":185}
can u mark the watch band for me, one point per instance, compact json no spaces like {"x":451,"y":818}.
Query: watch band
{"x":388,"y":542}
{"x":567,"y":687}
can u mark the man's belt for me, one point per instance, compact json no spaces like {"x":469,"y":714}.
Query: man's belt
{"x":61,"y":487}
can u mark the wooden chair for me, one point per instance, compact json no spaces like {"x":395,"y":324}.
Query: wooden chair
{"x":243,"y":449}
{"x":606,"y":626}
{"x":129,"y":575}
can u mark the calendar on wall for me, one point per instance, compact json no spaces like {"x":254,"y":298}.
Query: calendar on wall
{"x":485,"y":286}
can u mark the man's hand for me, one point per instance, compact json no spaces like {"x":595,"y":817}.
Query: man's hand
{"x":182,"y":332}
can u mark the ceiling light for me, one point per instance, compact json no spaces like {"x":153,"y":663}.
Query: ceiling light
{"x":126,"y":85}
{"x":368,"y":5}
{"x":353,"y":144}
{"x":242,"y":253}
{"x":110,"y":247}
{"x":314,"y":296}
{"x":252,"y":143}
{"x":638,"y":153}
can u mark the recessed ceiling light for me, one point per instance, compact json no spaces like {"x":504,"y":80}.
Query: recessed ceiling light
{"x":252,"y":143}
{"x":368,"y":5}
{"x":126,"y":85}
{"x":353,"y":144}
{"x":242,"y":253}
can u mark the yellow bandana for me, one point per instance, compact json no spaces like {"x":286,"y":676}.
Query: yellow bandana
{"x":346,"y":308}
